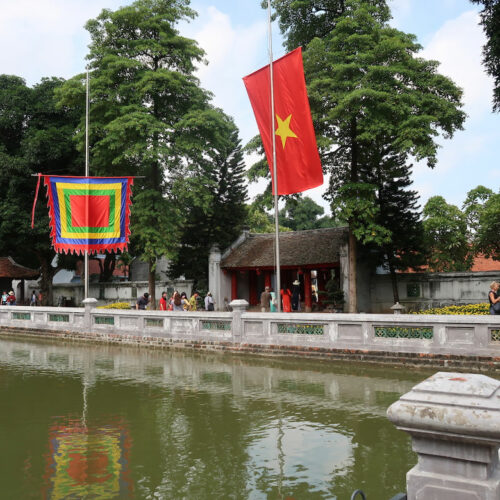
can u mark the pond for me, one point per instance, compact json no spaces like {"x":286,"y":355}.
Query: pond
{"x":96,"y":421}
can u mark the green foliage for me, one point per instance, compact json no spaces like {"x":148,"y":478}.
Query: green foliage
{"x":445,"y":229}
{"x":487,"y":240}
{"x":35,"y":137}
{"x":466,"y":309}
{"x":490,"y":19}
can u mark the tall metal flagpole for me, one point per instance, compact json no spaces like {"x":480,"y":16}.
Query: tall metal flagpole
{"x":275,"y":176}
{"x":86,"y":262}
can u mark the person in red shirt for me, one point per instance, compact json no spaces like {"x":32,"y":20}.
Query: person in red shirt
{"x":163,"y":301}
{"x":286,"y":296}
{"x":11,"y":299}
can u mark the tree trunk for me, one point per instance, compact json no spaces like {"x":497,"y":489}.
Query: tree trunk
{"x":152,"y":284}
{"x":353,"y":297}
{"x":394,"y":281}
{"x":46,"y":281}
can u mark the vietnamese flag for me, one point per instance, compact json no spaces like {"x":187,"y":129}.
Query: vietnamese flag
{"x":297,"y":158}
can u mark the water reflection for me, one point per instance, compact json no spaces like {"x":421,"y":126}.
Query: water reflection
{"x":83,"y":421}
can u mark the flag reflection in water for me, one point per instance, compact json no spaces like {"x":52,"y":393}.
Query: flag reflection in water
{"x":88,"y":462}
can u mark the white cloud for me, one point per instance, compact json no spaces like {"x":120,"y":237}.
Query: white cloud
{"x":457,"y":45}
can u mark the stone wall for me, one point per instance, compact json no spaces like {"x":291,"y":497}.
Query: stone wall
{"x":425,"y":290}
{"x":472,"y":342}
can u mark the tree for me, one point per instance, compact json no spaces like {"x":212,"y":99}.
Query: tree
{"x":35,"y":136}
{"x":490,"y":20}
{"x":301,"y":213}
{"x":445,"y":228}
{"x":482,"y":210}
{"x":211,"y":189}
{"x":371,"y":95}
{"x":399,"y":211}
{"x":142,"y":86}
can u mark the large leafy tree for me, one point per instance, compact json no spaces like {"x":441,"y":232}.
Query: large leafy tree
{"x":371,"y":95}
{"x":210,"y":187}
{"x":302,"y":212}
{"x":142,"y":87}
{"x":445,"y":228}
{"x":482,"y":210}
{"x":35,"y":137}
{"x":490,"y":20}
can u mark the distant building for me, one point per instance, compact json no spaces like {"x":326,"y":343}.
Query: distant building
{"x":11,"y":270}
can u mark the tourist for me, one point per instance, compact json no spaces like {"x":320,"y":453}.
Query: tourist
{"x":265,"y":299}
{"x":142,"y":302}
{"x":494,"y":298}
{"x":185,"y":301}
{"x":209,"y":302}
{"x":193,"y":302}
{"x":163,"y":301}
{"x":272,"y":304}
{"x":286,"y":296}
{"x":4,"y":298}
{"x":296,"y":296}
{"x":33,"y":298}
{"x":11,"y":299}
{"x":177,"y":302}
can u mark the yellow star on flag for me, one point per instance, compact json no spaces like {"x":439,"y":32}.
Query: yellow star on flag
{"x":284,"y":130}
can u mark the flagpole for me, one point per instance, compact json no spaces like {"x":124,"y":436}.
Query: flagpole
{"x":275,"y":176}
{"x":86,"y":262}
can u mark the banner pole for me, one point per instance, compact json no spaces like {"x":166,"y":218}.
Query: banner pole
{"x":86,"y":261}
{"x":275,"y":170}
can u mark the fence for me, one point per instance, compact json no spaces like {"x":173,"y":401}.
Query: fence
{"x":415,"y":335}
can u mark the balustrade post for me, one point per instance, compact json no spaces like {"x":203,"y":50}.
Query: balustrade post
{"x":89,"y":304}
{"x":239,"y":306}
{"x":454,"y":422}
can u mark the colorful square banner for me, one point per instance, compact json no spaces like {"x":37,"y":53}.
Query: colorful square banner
{"x":89,"y":214}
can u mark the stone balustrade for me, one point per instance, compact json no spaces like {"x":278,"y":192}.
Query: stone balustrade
{"x":437,"y":340}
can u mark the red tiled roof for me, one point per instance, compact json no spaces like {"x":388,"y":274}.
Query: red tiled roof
{"x":10,"y":269}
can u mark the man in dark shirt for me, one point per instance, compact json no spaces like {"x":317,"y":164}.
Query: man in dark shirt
{"x":265,"y":299}
{"x":142,"y":302}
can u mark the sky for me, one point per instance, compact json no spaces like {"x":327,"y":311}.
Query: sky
{"x":43,"y":38}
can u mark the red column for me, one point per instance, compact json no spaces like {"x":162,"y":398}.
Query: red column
{"x":307,"y":290}
{"x":234,"y":285}
{"x":267,"y":279}
{"x":252,"y":283}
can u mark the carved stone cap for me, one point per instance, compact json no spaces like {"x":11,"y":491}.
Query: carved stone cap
{"x":239,"y":305}
{"x":465,"y":405}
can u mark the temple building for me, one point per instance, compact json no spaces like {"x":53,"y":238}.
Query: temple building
{"x":310,"y":257}
{"x":10,"y":270}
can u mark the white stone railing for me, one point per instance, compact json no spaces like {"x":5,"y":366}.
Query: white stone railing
{"x":428,"y":334}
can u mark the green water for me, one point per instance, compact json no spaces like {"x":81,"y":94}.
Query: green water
{"x":91,"y":421}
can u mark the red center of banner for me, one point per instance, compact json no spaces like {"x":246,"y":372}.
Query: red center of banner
{"x":89,"y":213}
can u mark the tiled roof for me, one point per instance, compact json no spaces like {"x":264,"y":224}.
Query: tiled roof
{"x":10,"y":269}
{"x":297,"y":248}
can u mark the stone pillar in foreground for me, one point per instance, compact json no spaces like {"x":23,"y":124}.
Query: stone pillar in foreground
{"x":89,"y":304}
{"x":239,"y":306}
{"x":454,"y":422}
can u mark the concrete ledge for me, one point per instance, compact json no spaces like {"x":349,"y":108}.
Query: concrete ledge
{"x":470,"y":363}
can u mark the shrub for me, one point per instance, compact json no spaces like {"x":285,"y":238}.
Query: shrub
{"x":466,"y":309}
{"x":116,"y":305}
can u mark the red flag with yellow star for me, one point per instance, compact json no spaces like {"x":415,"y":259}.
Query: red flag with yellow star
{"x":297,"y":159}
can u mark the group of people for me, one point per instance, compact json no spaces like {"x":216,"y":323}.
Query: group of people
{"x":178,"y":302}
{"x":8,"y":299}
{"x":290,"y":299}
{"x":494,"y":298}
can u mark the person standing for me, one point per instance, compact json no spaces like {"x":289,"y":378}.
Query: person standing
{"x":296,"y":295}
{"x":163,"y":301}
{"x":33,"y":298}
{"x":272,"y":305}
{"x":265,"y":299}
{"x":177,"y":302}
{"x":286,"y":296}
{"x":4,"y":298}
{"x":11,"y":299}
{"x":494,"y":298}
{"x":193,"y":302}
{"x":209,"y":302}
{"x":185,"y":301}
{"x":142,"y":302}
